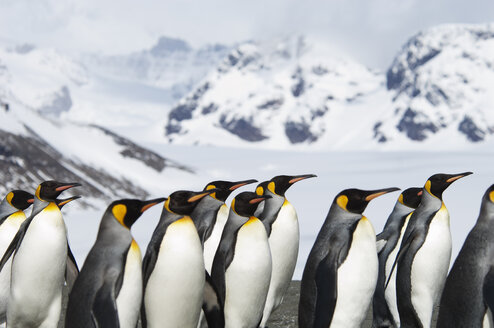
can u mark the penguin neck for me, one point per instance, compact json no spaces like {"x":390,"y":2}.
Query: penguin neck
{"x":430,"y":201}
{"x":397,"y":217}
{"x":111,"y":229}
{"x":235,"y":220}
{"x":38,"y":206}
{"x":204,"y":216}
{"x":486,"y":212}
{"x":338,"y":213}
{"x":6,"y":209}
{"x":272,"y":207}
{"x":168,"y":217}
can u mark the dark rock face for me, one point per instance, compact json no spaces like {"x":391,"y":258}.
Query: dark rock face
{"x":272,"y":104}
{"x":298,"y":132}
{"x":62,"y":102}
{"x":166,"y":46}
{"x":470,"y":130}
{"x":242,"y":128}
{"x":415,"y":125}
{"x":183,"y":111}
{"x":299,"y":87}
{"x":378,"y":135}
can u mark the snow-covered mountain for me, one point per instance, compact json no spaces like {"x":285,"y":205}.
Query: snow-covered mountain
{"x":36,"y":145}
{"x":442,"y":83}
{"x":296,"y":93}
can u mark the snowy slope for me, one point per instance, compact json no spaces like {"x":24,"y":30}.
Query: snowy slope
{"x":34,"y":148}
{"x":296,"y":93}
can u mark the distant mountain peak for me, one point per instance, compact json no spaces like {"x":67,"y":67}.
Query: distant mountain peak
{"x":167,"y":45}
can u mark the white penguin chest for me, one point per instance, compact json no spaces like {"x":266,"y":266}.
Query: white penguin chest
{"x":247,"y":277}
{"x":38,"y":270}
{"x":130,"y":295}
{"x":211,"y":244}
{"x":174,"y":291}
{"x":430,"y":266}
{"x":357,"y":277}
{"x":284,"y":242}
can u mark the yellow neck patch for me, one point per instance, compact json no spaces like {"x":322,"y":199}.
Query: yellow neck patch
{"x":212,"y":187}
{"x":342,"y":201}
{"x":252,"y":219}
{"x":119,"y":212}
{"x":491,"y":196}
{"x":400,"y":199}
{"x":271,"y":187}
{"x":9,"y":197}
{"x":259,"y":191}
{"x":428,"y":186}
{"x":38,"y":191}
{"x":233,"y":205}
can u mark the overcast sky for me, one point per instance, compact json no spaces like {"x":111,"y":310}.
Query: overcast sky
{"x":371,"y":31}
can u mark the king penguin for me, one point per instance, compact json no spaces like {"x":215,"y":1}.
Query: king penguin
{"x":340,"y":275}
{"x":281,"y":222}
{"x":210,"y":216}
{"x":384,"y":305}
{"x":242,"y":265}
{"x":424,"y":255}
{"x":39,"y":262}
{"x":11,"y":218}
{"x":462,"y":304}
{"x":108,"y":290}
{"x":173,"y":267}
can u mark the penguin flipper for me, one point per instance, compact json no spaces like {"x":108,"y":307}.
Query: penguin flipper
{"x":327,"y":281}
{"x":488,"y":289}
{"x":405,"y":245}
{"x":71,"y":270}
{"x":380,"y":244}
{"x":16,"y":241}
{"x":104,"y":312}
{"x":211,"y":305}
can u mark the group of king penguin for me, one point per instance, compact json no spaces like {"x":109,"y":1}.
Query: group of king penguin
{"x":207,"y":264}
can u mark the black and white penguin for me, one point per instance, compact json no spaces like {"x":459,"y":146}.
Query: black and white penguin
{"x":424,"y":255}
{"x":210,"y":216}
{"x":385,"y":310}
{"x":11,"y":218}
{"x":462,"y":304}
{"x":173,"y":267}
{"x":281,"y":222}
{"x":39,"y":262}
{"x":242,"y":265}
{"x":340,"y":275}
{"x":108,"y":290}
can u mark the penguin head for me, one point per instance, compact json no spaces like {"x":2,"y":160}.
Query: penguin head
{"x":356,"y":200}
{"x":280,"y":184}
{"x":62,"y":202}
{"x":245,"y":203}
{"x":19,"y":199}
{"x":225,"y":188}
{"x":411,"y":197}
{"x":262,"y":187}
{"x":489,"y":195}
{"x":437,"y":183}
{"x":183,"y":202}
{"x":127,"y":211}
{"x":48,"y":191}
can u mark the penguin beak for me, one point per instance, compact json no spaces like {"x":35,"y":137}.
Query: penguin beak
{"x":420,"y":193}
{"x":455,"y":177}
{"x":30,"y":200}
{"x":65,"y":186}
{"x":239,"y":184}
{"x":298,"y":178}
{"x":150,"y":203}
{"x":258,"y":199}
{"x":201,"y":194}
{"x":376,"y":193}
{"x":65,"y":201}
